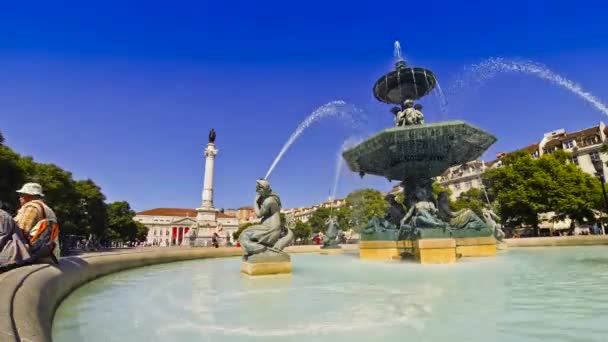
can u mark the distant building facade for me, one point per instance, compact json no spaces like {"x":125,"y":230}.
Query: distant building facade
{"x":173,"y":226}
{"x":584,"y":145}
{"x":304,"y":214}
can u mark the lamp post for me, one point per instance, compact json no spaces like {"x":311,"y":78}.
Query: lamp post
{"x":598,"y":164}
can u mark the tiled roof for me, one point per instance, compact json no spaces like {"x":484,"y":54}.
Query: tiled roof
{"x":224,"y":215}
{"x":588,"y":132}
{"x":179,"y":212}
{"x":530,"y":148}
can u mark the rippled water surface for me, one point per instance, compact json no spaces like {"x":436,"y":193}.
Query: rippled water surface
{"x":538,"y":294}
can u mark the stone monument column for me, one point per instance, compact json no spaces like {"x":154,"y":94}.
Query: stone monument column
{"x":207,"y":214}
{"x":210,"y":153}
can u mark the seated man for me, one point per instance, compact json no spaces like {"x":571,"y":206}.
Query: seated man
{"x":13,"y":245}
{"x":39,"y":223}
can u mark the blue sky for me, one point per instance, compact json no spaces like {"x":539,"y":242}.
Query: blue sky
{"x":125,"y":93}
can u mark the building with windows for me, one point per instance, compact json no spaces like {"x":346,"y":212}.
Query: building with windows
{"x":304,"y":214}
{"x":172,"y":226}
{"x":584,"y":145}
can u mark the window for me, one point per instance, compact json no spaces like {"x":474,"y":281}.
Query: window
{"x":457,"y":186}
{"x":594,"y":156}
{"x":468,"y":184}
{"x":569,"y":144}
{"x":574,"y":160}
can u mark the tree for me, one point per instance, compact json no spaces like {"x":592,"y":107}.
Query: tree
{"x":302,"y":231}
{"x":142,"y":232}
{"x":438,"y":188}
{"x":362,"y":205}
{"x":242,"y":227}
{"x":319,"y":217}
{"x":92,"y":208}
{"x":121,"y":225}
{"x":525,"y":187}
{"x":11,"y":176}
{"x":473,"y":199}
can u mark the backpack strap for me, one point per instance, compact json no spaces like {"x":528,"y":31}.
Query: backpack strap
{"x":41,"y":206}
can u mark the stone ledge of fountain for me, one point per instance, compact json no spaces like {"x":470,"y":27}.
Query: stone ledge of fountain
{"x":30,"y":295}
{"x":558,"y":241}
{"x":331,"y":250}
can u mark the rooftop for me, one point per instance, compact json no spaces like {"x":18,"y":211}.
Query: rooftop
{"x":176,"y":212}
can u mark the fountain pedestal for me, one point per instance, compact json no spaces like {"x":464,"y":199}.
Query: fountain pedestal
{"x":476,"y":246}
{"x":435,"y":251}
{"x":386,"y":250}
{"x":331,"y":250}
{"x":266,"y":264}
{"x":266,"y":268}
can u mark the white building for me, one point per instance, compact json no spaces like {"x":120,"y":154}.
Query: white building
{"x":305,"y":213}
{"x":172,"y":226}
{"x":585,"y":146}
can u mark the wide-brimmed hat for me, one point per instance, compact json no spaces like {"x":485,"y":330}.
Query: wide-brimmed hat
{"x":33,"y":189}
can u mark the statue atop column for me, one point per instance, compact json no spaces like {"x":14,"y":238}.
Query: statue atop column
{"x":212,"y":136}
{"x":264,"y":242}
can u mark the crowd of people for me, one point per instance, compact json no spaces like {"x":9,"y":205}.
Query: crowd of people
{"x":32,"y":236}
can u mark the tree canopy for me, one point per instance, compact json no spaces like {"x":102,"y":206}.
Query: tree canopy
{"x":79,"y":204}
{"x":362,"y":205}
{"x":524,"y":187}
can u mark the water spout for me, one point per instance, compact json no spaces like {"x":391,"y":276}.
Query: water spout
{"x":339,"y":109}
{"x":490,"y":68}
{"x":397,"y":52}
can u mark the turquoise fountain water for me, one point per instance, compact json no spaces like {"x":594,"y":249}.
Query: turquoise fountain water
{"x":550,"y":294}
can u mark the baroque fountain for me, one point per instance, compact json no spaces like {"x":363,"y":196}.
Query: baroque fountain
{"x":342,"y":298}
{"x":414,"y":152}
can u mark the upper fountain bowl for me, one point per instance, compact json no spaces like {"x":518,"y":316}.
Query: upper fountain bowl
{"x":404,"y":83}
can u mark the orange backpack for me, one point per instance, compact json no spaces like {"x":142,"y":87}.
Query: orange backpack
{"x":44,"y":236}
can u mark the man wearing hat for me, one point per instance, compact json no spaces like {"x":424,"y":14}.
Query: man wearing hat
{"x":33,"y":210}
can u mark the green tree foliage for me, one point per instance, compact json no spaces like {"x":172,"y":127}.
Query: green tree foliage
{"x":242,"y":227}
{"x":92,"y":208}
{"x":525,"y":187}
{"x":438,"y":188}
{"x":302,"y":231}
{"x":11,"y":177}
{"x":121,"y":225}
{"x":318,"y":218}
{"x":362,"y":205}
{"x":80,"y":205}
{"x":473,"y":199}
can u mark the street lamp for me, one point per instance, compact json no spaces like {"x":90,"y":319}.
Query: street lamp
{"x":598,"y":164}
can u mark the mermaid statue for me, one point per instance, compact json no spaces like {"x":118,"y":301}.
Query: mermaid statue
{"x":491,"y":220}
{"x":461,"y":219}
{"x":264,"y":242}
{"x":330,"y":240}
{"x":422,"y":212}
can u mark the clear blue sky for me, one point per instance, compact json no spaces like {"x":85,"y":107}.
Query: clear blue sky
{"x":126,"y":93}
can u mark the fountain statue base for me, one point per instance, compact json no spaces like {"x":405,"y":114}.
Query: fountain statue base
{"x":428,"y":251}
{"x":267,"y":263}
{"x":266,"y":268}
{"x":384,"y":250}
{"x":476,"y":247}
{"x":435,"y":251}
{"x":333,"y":250}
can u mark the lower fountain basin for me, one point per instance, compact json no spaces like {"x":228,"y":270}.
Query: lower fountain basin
{"x":533,"y":294}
